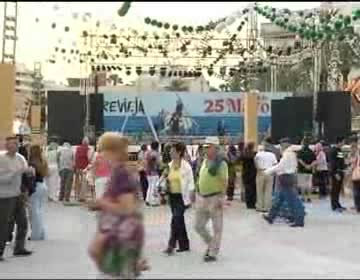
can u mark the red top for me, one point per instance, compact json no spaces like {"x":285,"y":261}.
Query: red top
{"x":102,"y":167}
{"x":81,"y":157}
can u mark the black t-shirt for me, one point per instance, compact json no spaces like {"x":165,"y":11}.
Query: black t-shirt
{"x":308,"y":157}
{"x":38,"y":177}
{"x":23,"y":151}
{"x":248,"y":168}
{"x":337,"y":161}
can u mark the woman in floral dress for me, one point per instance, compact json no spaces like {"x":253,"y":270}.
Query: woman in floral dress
{"x":117,"y":247}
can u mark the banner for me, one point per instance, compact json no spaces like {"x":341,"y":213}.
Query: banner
{"x":183,"y":113}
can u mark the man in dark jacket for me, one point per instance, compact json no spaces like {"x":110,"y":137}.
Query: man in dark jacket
{"x":337,"y":168}
{"x":306,"y":158}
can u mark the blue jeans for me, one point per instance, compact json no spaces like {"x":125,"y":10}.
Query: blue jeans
{"x":287,"y":194}
{"x":38,"y":200}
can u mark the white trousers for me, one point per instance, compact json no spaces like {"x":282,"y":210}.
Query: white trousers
{"x":100,"y":186}
{"x":53,"y":182}
{"x":152,"y":195}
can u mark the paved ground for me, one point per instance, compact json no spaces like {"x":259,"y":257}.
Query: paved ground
{"x":328,"y":247}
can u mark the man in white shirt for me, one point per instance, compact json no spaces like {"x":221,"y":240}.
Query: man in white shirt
{"x":286,"y":171}
{"x":264,"y":182}
{"x":12,"y":167}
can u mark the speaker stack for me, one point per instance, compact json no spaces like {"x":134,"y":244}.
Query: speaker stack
{"x":67,"y":112}
{"x":291,"y":117}
{"x":334,"y":114}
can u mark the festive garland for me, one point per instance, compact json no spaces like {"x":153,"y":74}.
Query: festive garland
{"x":310,"y":26}
{"x":186,"y":29}
{"x":194,"y":29}
{"x":282,"y":20}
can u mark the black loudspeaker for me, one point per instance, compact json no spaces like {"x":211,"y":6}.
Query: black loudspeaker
{"x":96,"y":112}
{"x":279,"y":113}
{"x":321,"y":106}
{"x":337,"y":116}
{"x":66,"y":115}
{"x":300,"y":117}
{"x":291,"y":117}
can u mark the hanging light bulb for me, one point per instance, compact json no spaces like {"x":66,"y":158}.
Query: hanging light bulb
{"x":230,"y":20}
{"x":163,"y":71}
{"x":152,"y":71}
{"x":220,"y":27}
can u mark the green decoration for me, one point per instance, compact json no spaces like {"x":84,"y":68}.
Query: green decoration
{"x":327,"y":28}
{"x":338,"y":24}
{"x":159,"y":24}
{"x":166,"y":25}
{"x":175,"y":27}
{"x":347,"y":20}
{"x":355,"y":18}
{"x":341,"y":37}
{"x":320,"y":35}
{"x":184,"y":29}
{"x":190,"y":29}
{"x":147,"y":20}
{"x":154,"y":22}
{"x":53,"y":26}
{"x":124,"y":8}
{"x":67,"y":29}
{"x":357,"y":13}
{"x":313,"y":34}
{"x":273,"y":18}
{"x":200,"y":28}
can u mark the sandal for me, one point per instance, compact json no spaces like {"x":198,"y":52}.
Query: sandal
{"x":142,"y":265}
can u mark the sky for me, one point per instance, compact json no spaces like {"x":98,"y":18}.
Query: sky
{"x":37,"y":39}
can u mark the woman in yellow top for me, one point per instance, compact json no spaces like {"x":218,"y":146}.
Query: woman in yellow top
{"x":180,"y":183}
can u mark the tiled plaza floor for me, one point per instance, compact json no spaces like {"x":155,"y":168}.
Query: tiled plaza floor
{"x":328,"y":247}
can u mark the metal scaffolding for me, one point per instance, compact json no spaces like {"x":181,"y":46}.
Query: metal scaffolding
{"x":9,"y":32}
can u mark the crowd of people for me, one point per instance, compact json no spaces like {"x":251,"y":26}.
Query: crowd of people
{"x":273,"y":180}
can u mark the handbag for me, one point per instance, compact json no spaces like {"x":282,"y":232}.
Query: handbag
{"x":355,"y":176}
